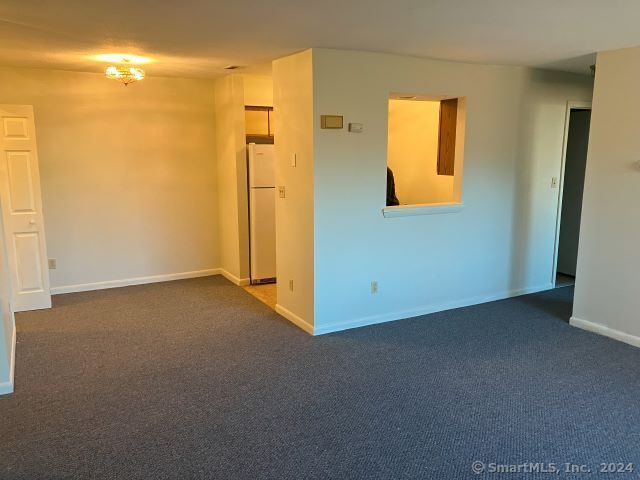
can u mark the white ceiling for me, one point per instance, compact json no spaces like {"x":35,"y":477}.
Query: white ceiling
{"x":196,"y":38}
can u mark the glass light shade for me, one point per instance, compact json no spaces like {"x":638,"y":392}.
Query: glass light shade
{"x":124,"y":73}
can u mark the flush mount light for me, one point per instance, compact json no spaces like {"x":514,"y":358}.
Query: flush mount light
{"x":232,"y":67}
{"x":125,"y":73}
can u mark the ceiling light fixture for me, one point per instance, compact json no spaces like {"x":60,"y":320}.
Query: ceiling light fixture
{"x":125,"y":73}
{"x":121,"y":58}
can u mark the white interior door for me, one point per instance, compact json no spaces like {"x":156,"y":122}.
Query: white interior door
{"x":21,"y":202}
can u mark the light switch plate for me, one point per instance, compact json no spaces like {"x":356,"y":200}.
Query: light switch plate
{"x":282,"y":191}
{"x":356,"y":127}
{"x":294,"y":159}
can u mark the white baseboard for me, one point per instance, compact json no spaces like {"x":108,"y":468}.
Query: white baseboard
{"x":7,"y":387}
{"x":232,"y":278}
{"x":126,"y":282}
{"x":424,"y":310}
{"x":606,"y":331}
{"x":295,"y":319}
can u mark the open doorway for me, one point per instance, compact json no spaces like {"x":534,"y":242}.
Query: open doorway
{"x":262,"y":203}
{"x":571,"y":191}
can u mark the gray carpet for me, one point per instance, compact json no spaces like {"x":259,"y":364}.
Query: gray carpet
{"x":198,"y":379}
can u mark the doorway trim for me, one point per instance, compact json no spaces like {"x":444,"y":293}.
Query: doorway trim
{"x":571,"y":105}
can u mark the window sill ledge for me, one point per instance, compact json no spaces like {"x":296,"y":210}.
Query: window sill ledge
{"x":426,"y":209}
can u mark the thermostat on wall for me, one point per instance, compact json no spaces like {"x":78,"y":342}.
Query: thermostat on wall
{"x":331,"y":121}
{"x":356,"y":127}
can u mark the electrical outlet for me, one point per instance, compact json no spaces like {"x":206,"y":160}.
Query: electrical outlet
{"x":374,"y":287}
{"x":291,"y":285}
{"x":554,"y":182}
{"x":53,"y":264}
{"x":282,"y":191}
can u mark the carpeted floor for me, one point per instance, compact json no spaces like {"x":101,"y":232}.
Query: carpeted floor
{"x":198,"y":379}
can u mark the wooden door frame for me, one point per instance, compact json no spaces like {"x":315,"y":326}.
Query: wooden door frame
{"x":571,"y":105}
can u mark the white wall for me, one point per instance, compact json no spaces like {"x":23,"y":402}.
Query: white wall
{"x":606,"y":295}
{"x":294,"y":119}
{"x":258,"y":90}
{"x":500,"y":244}
{"x":128,"y":173}
{"x":7,"y":323}
{"x":232,"y":93}
{"x":232,"y":175}
{"x":412,"y":152}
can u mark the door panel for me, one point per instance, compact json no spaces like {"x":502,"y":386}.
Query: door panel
{"x":29,"y":262}
{"x":21,"y":205}
{"x":16,"y":127}
{"x":20,"y":182}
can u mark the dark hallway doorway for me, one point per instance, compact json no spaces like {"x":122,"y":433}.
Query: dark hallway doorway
{"x":572,"y":192}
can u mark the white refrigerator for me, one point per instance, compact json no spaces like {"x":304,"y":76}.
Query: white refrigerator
{"x":262,"y":213}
